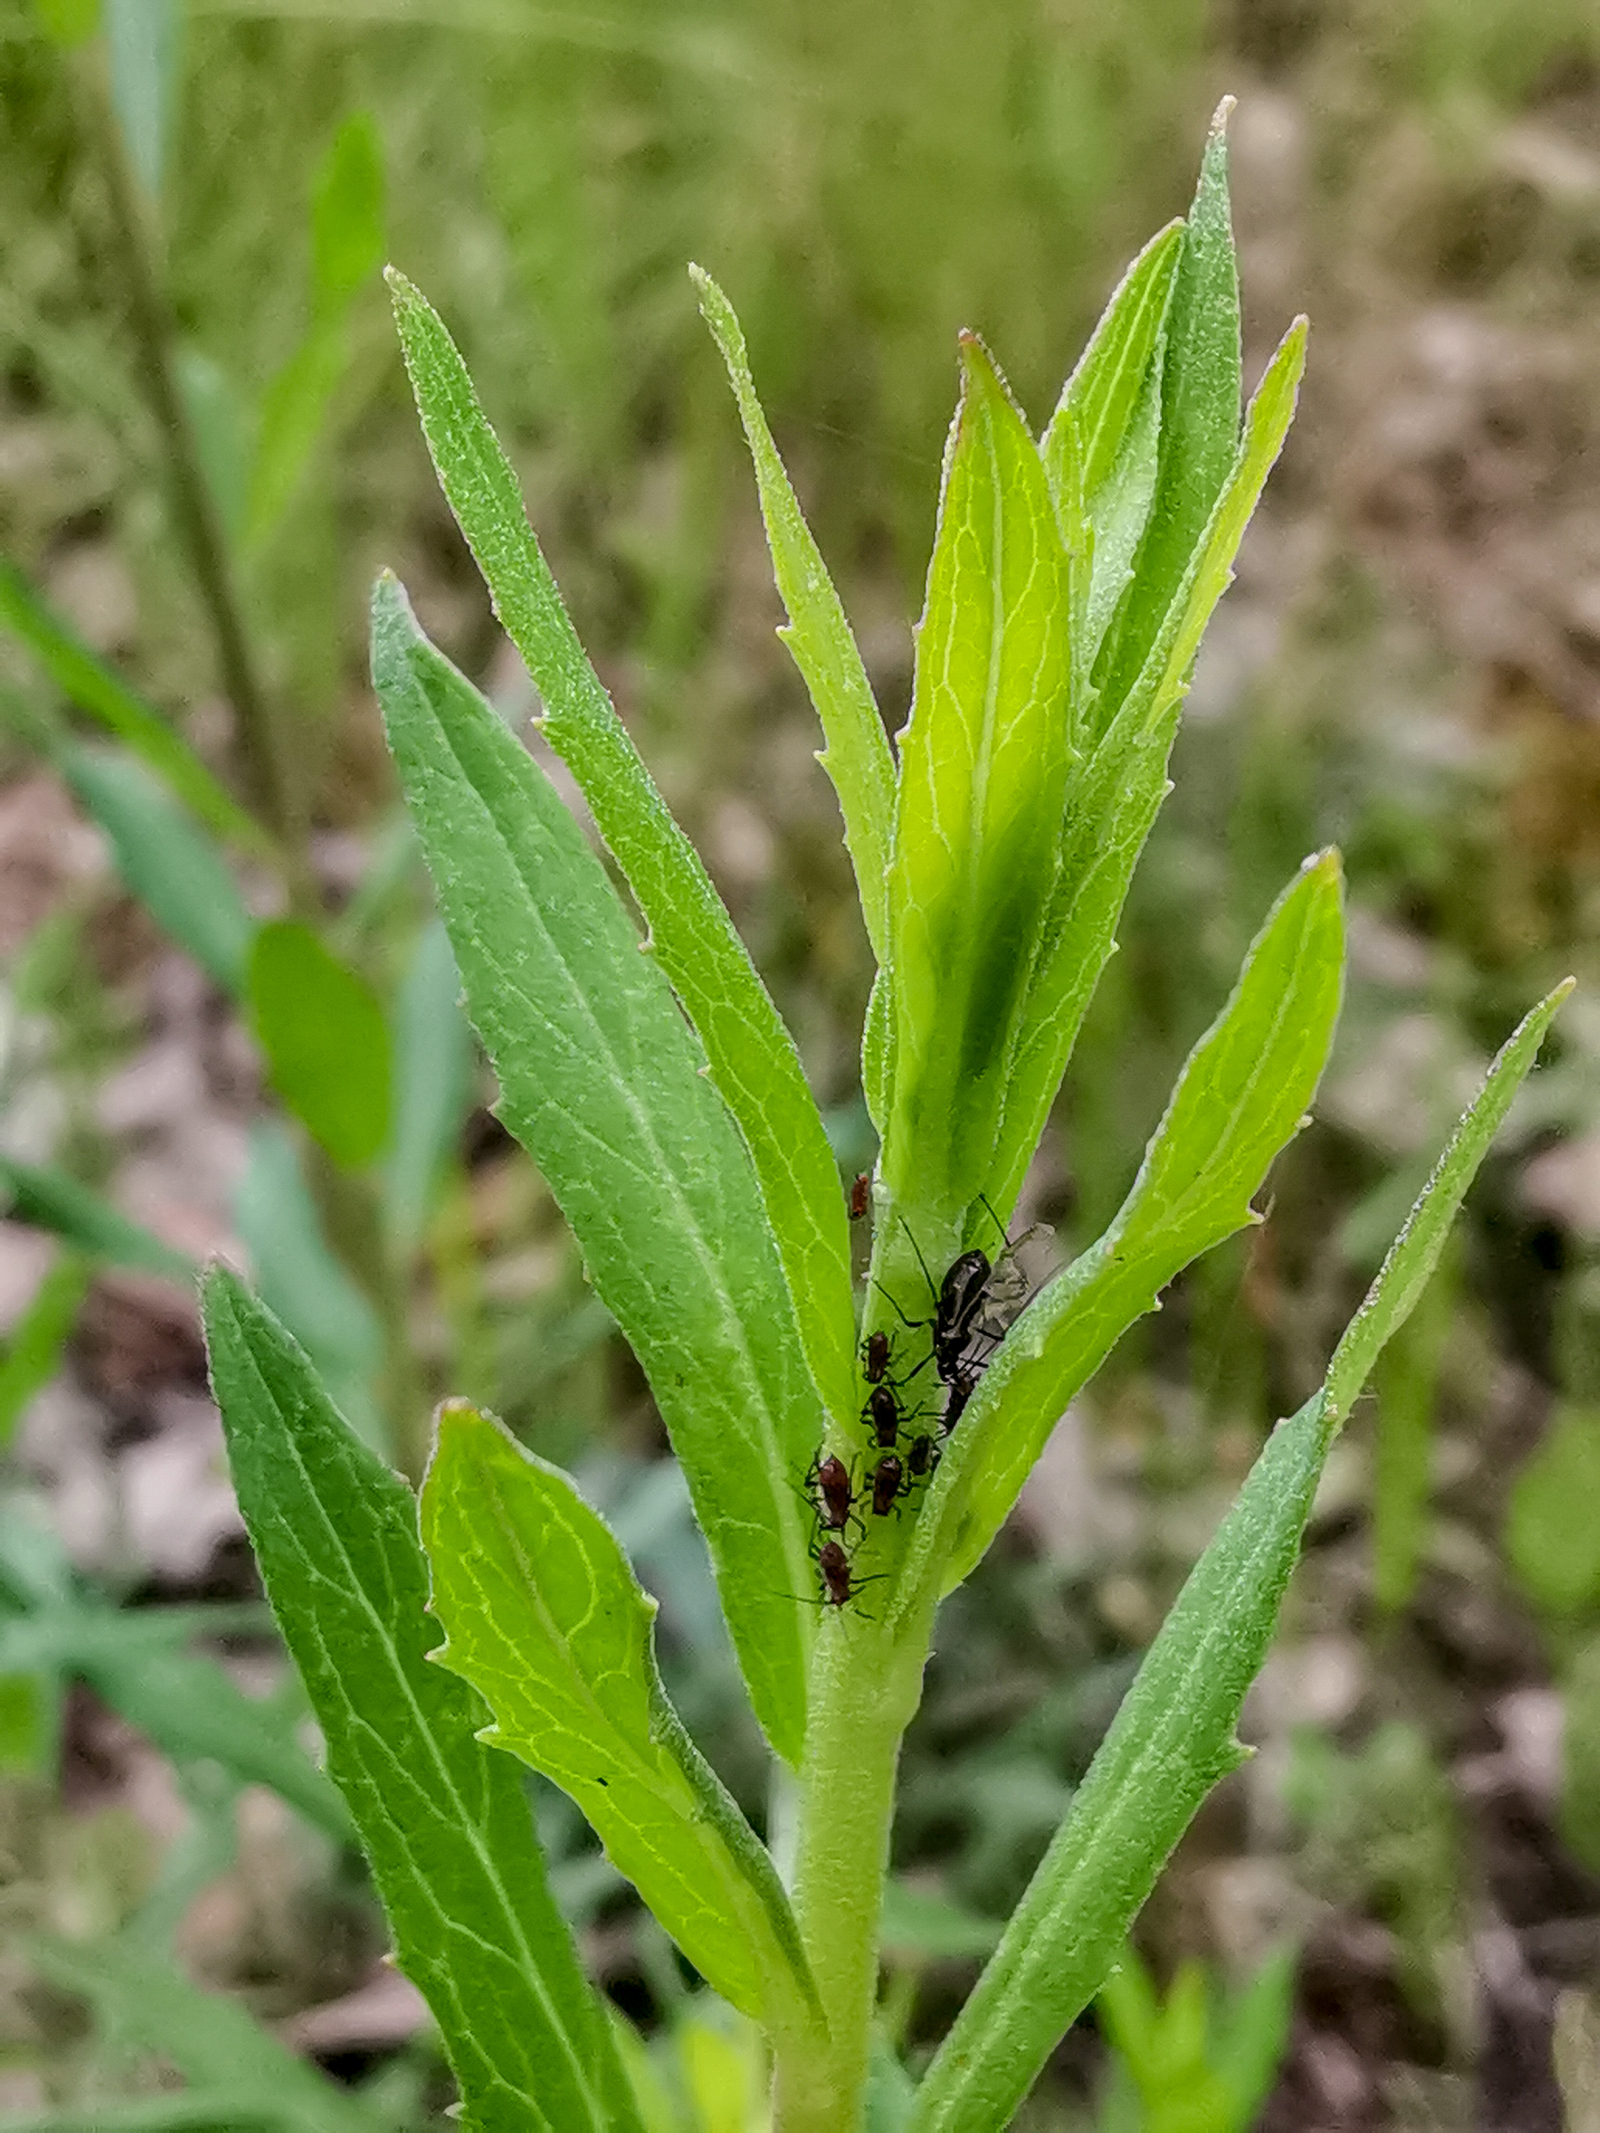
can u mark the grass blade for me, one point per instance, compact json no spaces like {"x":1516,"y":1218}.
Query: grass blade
{"x":1173,"y":1737}
{"x":601,"y":1079}
{"x":856,"y":756}
{"x":100,"y":690}
{"x":751,"y":1055}
{"x":545,"y":1618}
{"x":46,"y":1198}
{"x":213,"y":2041}
{"x":165,"y":861}
{"x":442,"y":1818}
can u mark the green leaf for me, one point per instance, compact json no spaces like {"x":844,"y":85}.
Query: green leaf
{"x":1241,"y":1096}
{"x":190,"y":1709}
{"x":209,"y":2110}
{"x":103,"y":694}
{"x":165,"y":861}
{"x":144,"y":41}
{"x":293,"y":411}
{"x":544,"y":1617}
{"x":46,"y":1198}
{"x":1552,"y":1534}
{"x":34,"y":1353}
{"x":1200,"y":394}
{"x":347,"y":241}
{"x":602,"y":1081}
{"x":212,"y":2040}
{"x":1101,"y":450}
{"x":857,"y":756}
{"x":750,"y":1054}
{"x":1108,"y":384}
{"x":984,"y":762}
{"x":1173,"y":1736}
{"x":224,"y":432}
{"x":444,"y":1820}
{"x":302,"y":1282}
{"x":433,"y":1084}
{"x":325,"y":1039}
{"x":1114,"y":799}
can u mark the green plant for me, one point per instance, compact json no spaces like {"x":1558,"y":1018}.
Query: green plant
{"x":664,"y":1103}
{"x":1199,"y":2060}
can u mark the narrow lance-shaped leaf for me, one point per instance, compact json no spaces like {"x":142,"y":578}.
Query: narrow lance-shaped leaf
{"x":544,"y":1617}
{"x":165,"y":860}
{"x":1241,"y":1096}
{"x":443,"y":1819}
{"x":1173,"y":1736}
{"x":325,"y":1039}
{"x":984,"y":760}
{"x":1200,"y":393}
{"x":751,"y":1055}
{"x":857,"y":756}
{"x":47,"y":1198}
{"x":1114,"y":798}
{"x":1105,"y":388}
{"x":100,"y":690}
{"x":1102,"y":448}
{"x":602,"y":1081}
{"x":211,"y":2038}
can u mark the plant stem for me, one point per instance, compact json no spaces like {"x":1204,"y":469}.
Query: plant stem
{"x":264,"y":760}
{"x":864,"y":1691}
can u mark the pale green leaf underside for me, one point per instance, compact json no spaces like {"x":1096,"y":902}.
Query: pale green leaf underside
{"x":751,"y":1055}
{"x":443,"y":1819}
{"x":857,"y":756}
{"x":544,"y":1617}
{"x":1241,"y":1095}
{"x":984,"y":762}
{"x":1200,"y":393}
{"x":1173,"y":1736}
{"x":1108,"y":383}
{"x":602,"y":1081}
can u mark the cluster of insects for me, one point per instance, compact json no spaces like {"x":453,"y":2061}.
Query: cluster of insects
{"x":901,"y":1455}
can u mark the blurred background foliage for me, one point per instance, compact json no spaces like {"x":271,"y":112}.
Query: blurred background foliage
{"x":1409,"y":665}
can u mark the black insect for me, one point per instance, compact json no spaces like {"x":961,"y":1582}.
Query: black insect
{"x":962,"y":1386}
{"x":884,"y":1412}
{"x":958,"y":1319}
{"x":860,"y":1194}
{"x":922,"y":1458}
{"x":889,"y":1484}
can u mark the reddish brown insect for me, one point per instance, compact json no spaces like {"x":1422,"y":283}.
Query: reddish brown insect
{"x":830,"y":1478}
{"x":875,"y":1358}
{"x":888,"y":1485}
{"x":860,"y":1195}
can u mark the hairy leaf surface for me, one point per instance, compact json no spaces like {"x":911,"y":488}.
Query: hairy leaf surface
{"x":751,"y":1055}
{"x":984,"y":762}
{"x":857,"y":756}
{"x":443,"y":1819}
{"x":602,"y":1081}
{"x":545,"y":1618}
